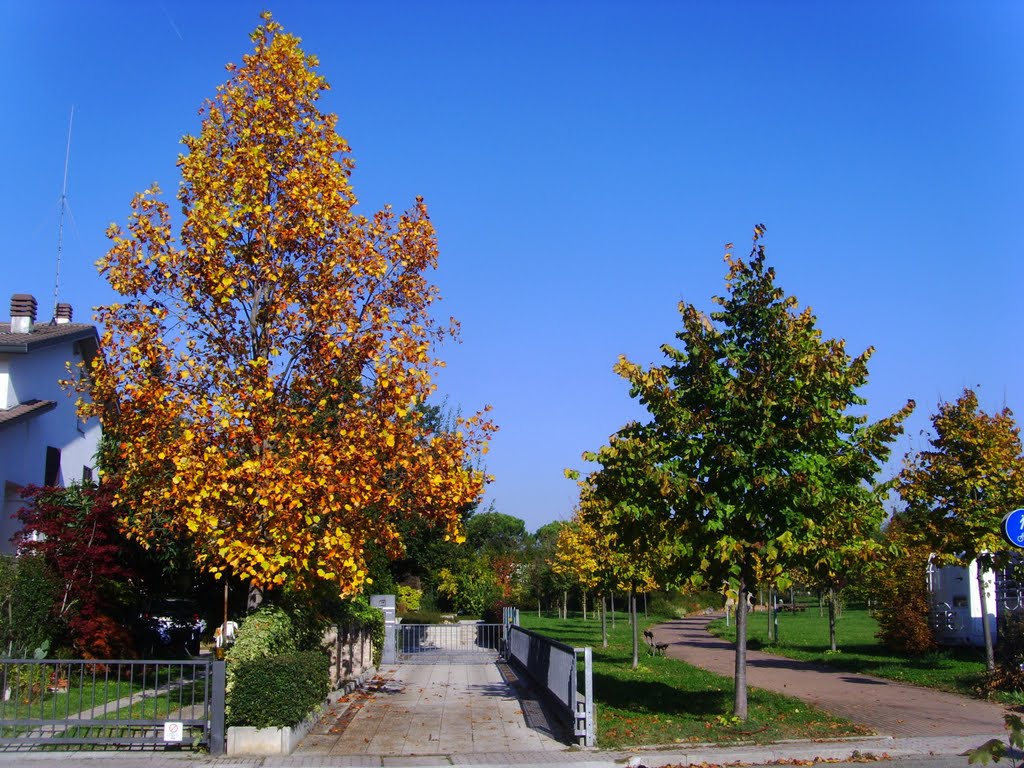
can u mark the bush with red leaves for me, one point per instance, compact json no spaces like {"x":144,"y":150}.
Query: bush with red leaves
{"x":76,"y":531}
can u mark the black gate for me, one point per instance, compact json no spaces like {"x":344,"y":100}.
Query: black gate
{"x":112,"y":704}
{"x":463,"y":643}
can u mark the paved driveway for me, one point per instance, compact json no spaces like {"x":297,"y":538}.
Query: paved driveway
{"x":436,"y":709}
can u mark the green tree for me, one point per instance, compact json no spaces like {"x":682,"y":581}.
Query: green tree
{"x":543,"y":582}
{"x":753,"y":445}
{"x":471,"y":584}
{"x":494,"y":532}
{"x":847,"y":543}
{"x":959,"y":491}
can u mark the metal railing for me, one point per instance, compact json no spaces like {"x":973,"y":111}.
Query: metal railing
{"x":449,"y":643}
{"x":942,"y":618}
{"x":555,"y":667}
{"x":58,"y":704}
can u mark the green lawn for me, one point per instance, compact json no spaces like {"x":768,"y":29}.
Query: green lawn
{"x":668,"y":702}
{"x":804,"y":635}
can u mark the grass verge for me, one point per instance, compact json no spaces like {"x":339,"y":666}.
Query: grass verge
{"x":804,"y":636}
{"x":666,"y":702}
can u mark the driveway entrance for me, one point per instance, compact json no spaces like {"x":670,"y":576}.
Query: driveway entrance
{"x":436,"y":709}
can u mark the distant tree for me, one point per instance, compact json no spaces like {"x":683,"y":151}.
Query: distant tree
{"x":471,"y":584}
{"x":753,"y":444}
{"x":958,"y":492}
{"x":265,"y":369}
{"x":494,"y":532}
{"x":544,"y":584}
{"x":846,"y":543}
{"x":604,"y":547}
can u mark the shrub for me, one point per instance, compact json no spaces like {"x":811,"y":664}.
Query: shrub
{"x":267,"y":631}
{"x":1009,"y":672}
{"x":278,"y":691}
{"x":679,"y":604}
{"x":901,"y":590}
{"x":496,"y":613}
{"x":409,"y":599}
{"x":27,"y":617}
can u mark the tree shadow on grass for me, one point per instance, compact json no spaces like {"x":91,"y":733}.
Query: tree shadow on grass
{"x":653,"y":696}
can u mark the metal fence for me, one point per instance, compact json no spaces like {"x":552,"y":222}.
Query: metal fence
{"x":555,"y":667}
{"x":464,"y":643}
{"x":58,"y":704}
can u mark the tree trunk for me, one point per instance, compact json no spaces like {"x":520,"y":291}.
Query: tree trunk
{"x":604,"y":623}
{"x":986,"y":630}
{"x":583,"y":593}
{"x":224,"y":626}
{"x":645,"y":604}
{"x":539,"y":596}
{"x":636,"y":633}
{"x":832,"y":620}
{"x":613,"y":608}
{"x":771,"y":615}
{"x":739,"y":704}
{"x":565,"y":603}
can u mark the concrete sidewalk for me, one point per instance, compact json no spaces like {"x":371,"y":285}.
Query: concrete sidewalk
{"x":887,"y":707}
{"x":480,"y":715}
{"x":860,"y":748}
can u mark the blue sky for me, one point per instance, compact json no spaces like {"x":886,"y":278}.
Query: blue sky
{"x":584,"y":164}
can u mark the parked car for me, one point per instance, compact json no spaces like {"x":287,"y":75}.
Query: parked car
{"x":173,"y":626}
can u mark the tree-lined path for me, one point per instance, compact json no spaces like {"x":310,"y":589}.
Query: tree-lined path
{"x":887,"y":707}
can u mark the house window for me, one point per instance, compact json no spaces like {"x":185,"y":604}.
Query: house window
{"x":52,"y":474}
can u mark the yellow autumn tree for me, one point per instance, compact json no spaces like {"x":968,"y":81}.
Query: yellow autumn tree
{"x":266,"y":371}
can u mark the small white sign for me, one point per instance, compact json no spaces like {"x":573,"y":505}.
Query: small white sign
{"x":172,"y":731}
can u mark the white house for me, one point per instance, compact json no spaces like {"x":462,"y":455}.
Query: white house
{"x":956,"y":608}
{"x":42,"y":440}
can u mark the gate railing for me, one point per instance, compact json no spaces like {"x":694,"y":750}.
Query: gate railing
{"x":555,"y":667}
{"x":427,"y":642}
{"x":112,"y":703}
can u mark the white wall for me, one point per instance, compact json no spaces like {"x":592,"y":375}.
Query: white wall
{"x":35,"y":376}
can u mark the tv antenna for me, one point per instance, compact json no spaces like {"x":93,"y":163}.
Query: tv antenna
{"x":63,"y":207}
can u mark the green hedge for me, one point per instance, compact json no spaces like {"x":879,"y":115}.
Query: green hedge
{"x":278,"y":691}
{"x":267,"y":631}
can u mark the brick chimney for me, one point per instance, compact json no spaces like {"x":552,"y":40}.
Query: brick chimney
{"x":23,"y":312}
{"x":63,"y":314}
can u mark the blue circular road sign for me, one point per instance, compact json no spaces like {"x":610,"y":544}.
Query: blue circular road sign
{"x":1013,"y":528}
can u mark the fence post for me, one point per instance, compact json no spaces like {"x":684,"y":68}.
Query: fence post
{"x":588,"y":696}
{"x":386,"y":604}
{"x":218,"y":699}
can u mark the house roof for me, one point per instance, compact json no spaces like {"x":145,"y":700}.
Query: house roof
{"x":45,"y":335}
{"x":26,"y":410}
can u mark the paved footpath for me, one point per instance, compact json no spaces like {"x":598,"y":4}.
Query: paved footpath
{"x":887,"y":707}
